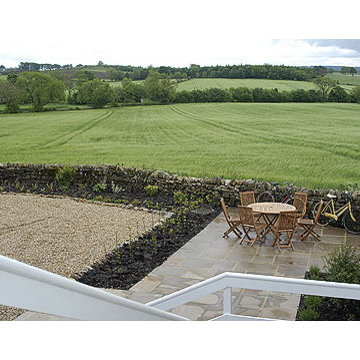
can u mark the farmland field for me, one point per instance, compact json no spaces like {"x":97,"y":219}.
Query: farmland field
{"x":345,"y":79}
{"x":200,"y":84}
{"x":313,"y":145}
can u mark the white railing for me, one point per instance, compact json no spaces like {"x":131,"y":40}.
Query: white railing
{"x":30,"y":288}
{"x":227,"y":281}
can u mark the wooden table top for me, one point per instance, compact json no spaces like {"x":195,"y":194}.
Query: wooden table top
{"x":271,"y":207}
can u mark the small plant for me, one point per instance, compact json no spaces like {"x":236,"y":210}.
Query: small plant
{"x":135,"y":202}
{"x":98,"y":198}
{"x":343,"y":265}
{"x":50,"y":187}
{"x":34,"y":187}
{"x":65,"y":176}
{"x":115,"y":188}
{"x":309,"y":314}
{"x":98,"y":188}
{"x":313,"y":302}
{"x":2,"y":188}
{"x":151,"y":189}
{"x":17,"y":185}
{"x":314,"y":272}
{"x":180,"y":198}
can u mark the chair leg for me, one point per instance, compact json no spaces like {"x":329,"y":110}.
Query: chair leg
{"x":246,"y":235}
{"x":309,"y":230}
{"x":233,"y":229}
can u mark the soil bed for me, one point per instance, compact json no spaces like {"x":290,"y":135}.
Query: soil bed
{"x":332,"y":309}
{"x":128,"y":264}
{"x":158,"y":201}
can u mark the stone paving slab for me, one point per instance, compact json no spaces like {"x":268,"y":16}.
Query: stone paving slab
{"x":208,"y":254}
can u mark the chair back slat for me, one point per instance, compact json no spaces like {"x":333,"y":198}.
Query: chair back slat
{"x":318,"y":212}
{"x":247,"y":197}
{"x":300,"y":200}
{"x":224,"y":209}
{"x":246,"y":216}
{"x":287,"y":220}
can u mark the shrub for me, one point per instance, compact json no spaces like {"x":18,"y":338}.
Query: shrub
{"x":151,"y":189}
{"x":179,"y":198}
{"x":313,"y":302}
{"x":309,"y":314}
{"x":65,"y":176}
{"x":343,"y":265}
{"x":99,"y":187}
{"x":314,"y":272}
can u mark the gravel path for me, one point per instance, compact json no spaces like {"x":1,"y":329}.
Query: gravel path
{"x":63,"y":235}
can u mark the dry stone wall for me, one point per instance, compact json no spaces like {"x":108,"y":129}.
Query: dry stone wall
{"x":135,"y":179}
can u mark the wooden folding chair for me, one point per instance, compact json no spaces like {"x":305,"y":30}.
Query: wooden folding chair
{"x":233,"y":224}
{"x":287,"y":223}
{"x":300,"y":200}
{"x":247,"y":197}
{"x":309,"y":224}
{"x":248,"y":224}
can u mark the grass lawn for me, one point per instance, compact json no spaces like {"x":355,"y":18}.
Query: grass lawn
{"x":312,"y":145}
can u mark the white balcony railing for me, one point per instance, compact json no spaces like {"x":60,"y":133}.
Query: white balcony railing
{"x":227,"y":281}
{"x":33,"y":289}
{"x":30,"y":288}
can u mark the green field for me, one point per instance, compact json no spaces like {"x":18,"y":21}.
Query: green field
{"x":312,"y":145}
{"x":345,"y":79}
{"x":200,"y":84}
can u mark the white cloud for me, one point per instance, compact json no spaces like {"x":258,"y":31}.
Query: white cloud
{"x":169,"y":32}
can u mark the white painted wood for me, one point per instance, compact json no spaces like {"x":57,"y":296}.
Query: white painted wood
{"x":231,"y":317}
{"x":257,"y":282}
{"x":227,"y":300}
{"x":30,"y":288}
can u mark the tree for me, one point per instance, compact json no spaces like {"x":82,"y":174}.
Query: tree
{"x":325,"y":85}
{"x":2,"y":68}
{"x":355,"y":94}
{"x":339,"y":94}
{"x":95,"y":93}
{"x":159,"y":87}
{"x":40,"y":89}
{"x":115,"y":75}
{"x":321,"y":70}
{"x":129,"y":92}
{"x":11,"y":94}
{"x":83,"y":76}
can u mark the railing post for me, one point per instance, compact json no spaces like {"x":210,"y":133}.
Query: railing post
{"x":227,"y":300}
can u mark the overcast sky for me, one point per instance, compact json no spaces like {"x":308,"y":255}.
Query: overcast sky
{"x":178,"y":33}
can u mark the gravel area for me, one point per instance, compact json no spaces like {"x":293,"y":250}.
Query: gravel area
{"x":64,"y":235}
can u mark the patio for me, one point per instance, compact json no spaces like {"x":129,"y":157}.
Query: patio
{"x":208,"y":254}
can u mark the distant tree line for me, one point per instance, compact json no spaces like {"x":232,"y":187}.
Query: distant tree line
{"x":348,"y":70}
{"x":39,"y":89}
{"x":275,"y":72}
{"x":120,"y":72}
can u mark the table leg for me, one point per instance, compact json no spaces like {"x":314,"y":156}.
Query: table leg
{"x":269,"y":222}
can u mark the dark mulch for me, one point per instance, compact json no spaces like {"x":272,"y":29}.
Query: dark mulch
{"x":129,"y":263}
{"x":332,"y":309}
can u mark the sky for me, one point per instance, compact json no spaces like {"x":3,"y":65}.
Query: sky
{"x":179,"y":33}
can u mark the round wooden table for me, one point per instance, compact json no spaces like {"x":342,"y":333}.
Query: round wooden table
{"x":270,"y":212}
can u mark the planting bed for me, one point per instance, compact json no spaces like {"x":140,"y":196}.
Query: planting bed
{"x":332,"y":309}
{"x":128,"y":264}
